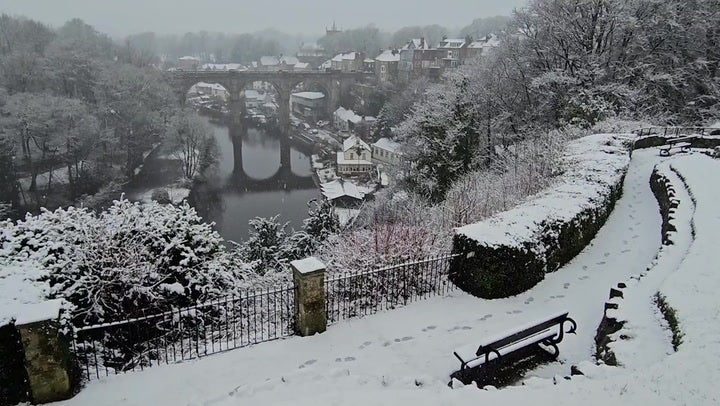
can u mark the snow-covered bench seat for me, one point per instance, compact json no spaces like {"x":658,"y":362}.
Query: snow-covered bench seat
{"x":548,"y":331}
{"x":680,"y":143}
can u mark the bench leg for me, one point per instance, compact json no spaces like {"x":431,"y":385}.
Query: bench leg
{"x":556,"y":351}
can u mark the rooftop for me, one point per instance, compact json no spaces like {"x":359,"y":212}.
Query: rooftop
{"x":388,"y":145}
{"x":389,"y":55}
{"x":309,"y":95}
{"x":355,"y":142}
{"x":339,"y":188}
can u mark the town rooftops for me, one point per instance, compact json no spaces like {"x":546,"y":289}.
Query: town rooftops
{"x":389,"y":55}
{"x":188,"y":58}
{"x":223,"y":66}
{"x":354,"y":142}
{"x":309,"y":95}
{"x":274,"y":60}
{"x":388,"y":145}
{"x":489,"y":41}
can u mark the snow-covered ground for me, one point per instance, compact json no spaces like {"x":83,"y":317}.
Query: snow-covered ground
{"x":405,"y":356}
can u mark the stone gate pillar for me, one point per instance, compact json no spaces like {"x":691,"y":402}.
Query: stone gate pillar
{"x":309,"y":278}
{"x":47,"y":352}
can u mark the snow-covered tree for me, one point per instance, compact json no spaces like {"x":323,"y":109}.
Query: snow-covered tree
{"x":192,"y":143}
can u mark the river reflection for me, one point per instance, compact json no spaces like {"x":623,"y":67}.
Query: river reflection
{"x":259,"y":175}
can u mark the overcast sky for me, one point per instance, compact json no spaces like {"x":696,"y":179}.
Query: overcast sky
{"x":122,"y":17}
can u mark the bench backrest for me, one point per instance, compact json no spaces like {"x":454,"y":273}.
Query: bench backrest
{"x":519,"y":335}
{"x":678,"y":139}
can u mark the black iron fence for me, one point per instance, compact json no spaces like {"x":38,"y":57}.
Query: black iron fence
{"x":363,"y":293}
{"x":675,"y":131}
{"x":184,"y":334}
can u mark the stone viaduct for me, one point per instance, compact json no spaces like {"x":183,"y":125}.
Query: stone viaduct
{"x":332,"y":84}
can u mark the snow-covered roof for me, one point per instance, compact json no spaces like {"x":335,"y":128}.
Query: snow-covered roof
{"x":253,"y":94}
{"x":337,"y":58}
{"x":369,"y":60}
{"x":301,"y":65}
{"x":388,"y":145}
{"x":417,"y":43}
{"x":326,"y":65}
{"x":214,"y":86}
{"x":389,"y":55}
{"x":339,"y":188}
{"x":452,"y":43}
{"x":354,"y":142}
{"x":309,"y":95}
{"x":188,"y":58}
{"x":350,"y":56}
{"x":347,"y":115}
{"x":490,"y":41}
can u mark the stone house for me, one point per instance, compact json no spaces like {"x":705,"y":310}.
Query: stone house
{"x":386,"y":65}
{"x":189,"y":63}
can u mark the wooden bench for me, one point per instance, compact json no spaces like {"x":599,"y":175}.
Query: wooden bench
{"x":680,"y":143}
{"x":548,"y":331}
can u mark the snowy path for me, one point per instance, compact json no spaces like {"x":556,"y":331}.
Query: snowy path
{"x":409,"y":347}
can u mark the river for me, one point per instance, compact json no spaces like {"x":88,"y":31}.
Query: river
{"x":259,"y":174}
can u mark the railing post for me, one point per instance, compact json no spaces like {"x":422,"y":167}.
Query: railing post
{"x":309,"y":278}
{"x":47,"y":352}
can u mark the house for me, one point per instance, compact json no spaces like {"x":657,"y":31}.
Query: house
{"x":342,"y":193}
{"x":453,"y":51}
{"x":212,"y":90}
{"x":418,"y":58}
{"x":188,"y":63}
{"x":355,"y":158}
{"x":276,"y":63}
{"x":345,"y":120}
{"x":310,"y":105}
{"x":386,"y":65}
{"x":369,"y":65}
{"x":482,"y":47}
{"x":254,"y":99}
{"x":386,"y":151}
{"x":348,"y":62}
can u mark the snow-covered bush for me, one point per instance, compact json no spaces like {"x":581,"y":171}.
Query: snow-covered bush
{"x":126,"y":261}
{"x":518,"y":171}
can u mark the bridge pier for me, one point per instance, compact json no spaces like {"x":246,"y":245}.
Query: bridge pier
{"x":284,"y":111}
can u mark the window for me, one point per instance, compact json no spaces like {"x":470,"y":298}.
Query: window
{"x":383,"y":68}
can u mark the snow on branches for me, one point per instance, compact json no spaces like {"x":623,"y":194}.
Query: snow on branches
{"x":129,"y":259}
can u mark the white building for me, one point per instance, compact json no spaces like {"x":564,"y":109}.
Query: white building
{"x":386,"y":151}
{"x":355,"y":158}
{"x":345,"y":120}
{"x":210,"y":89}
{"x":308,"y":104}
{"x":342,"y":193}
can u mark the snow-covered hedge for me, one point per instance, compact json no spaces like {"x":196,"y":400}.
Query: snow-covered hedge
{"x":696,"y":141}
{"x":513,"y":250}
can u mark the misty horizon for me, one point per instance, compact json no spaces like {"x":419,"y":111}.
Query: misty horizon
{"x":120,"y":19}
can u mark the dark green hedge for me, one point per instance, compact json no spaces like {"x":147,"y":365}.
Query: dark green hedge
{"x":502,"y":271}
{"x":14,"y":383}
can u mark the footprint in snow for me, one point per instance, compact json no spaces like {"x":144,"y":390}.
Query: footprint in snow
{"x":365,"y":344}
{"x":607,"y":254}
{"x":517,"y":311}
{"x":582,"y":278}
{"x":386,"y":344}
{"x":602,"y":263}
{"x":406,"y":338}
{"x":635,"y":237}
{"x":585,"y":267}
{"x":466,"y":328}
{"x":428,"y":328}
{"x":349,"y":359}
{"x":625,"y":251}
{"x":625,"y":242}
{"x":566,"y":285}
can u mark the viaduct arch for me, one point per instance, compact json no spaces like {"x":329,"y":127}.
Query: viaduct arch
{"x":333,"y":83}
